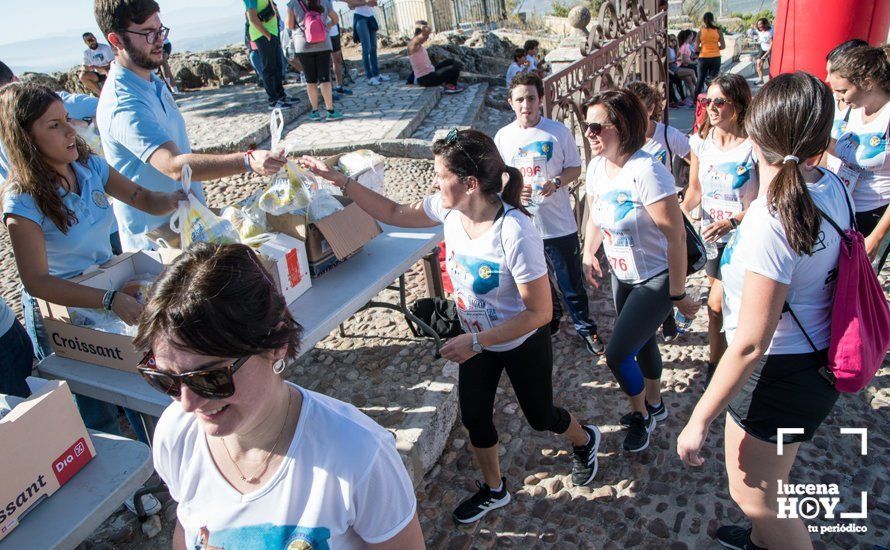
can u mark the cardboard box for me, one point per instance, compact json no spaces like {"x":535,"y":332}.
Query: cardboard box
{"x":331,"y":240}
{"x":285,"y":258}
{"x":44,"y":443}
{"x":94,"y":346}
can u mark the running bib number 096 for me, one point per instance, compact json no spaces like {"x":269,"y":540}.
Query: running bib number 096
{"x":531,"y":167}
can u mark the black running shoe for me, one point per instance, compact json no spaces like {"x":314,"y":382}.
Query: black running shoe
{"x":594,"y":345}
{"x":638,"y":431}
{"x":738,"y":538}
{"x":484,"y":501}
{"x":584,"y":459}
{"x":660,"y":413}
{"x":669,"y":328}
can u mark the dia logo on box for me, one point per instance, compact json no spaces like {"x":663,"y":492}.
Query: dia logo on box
{"x":71,"y":461}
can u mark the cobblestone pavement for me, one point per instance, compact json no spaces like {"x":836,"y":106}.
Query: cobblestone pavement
{"x":389,"y":111}
{"x":231,"y":118}
{"x":452,"y":110}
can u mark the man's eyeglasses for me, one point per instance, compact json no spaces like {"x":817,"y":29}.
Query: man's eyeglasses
{"x":451,"y":139}
{"x":718,"y":102}
{"x":215,"y":383}
{"x":595,"y":128}
{"x":152,"y":36}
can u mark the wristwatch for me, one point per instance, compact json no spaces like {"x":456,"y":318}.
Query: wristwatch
{"x":557,"y":182}
{"x":477,"y":346}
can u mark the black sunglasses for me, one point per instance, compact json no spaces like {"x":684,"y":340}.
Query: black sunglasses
{"x":718,"y":102}
{"x":152,"y":36}
{"x":215,"y":383}
{"x":595,"y":128}
{"x":451,"y":139}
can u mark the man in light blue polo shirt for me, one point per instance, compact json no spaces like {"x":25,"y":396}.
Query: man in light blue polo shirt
{"x":143,"y":133}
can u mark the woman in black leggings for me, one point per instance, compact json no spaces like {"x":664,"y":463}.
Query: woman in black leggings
{"x":635,"y":215}
{"x":497,"y":264}
{"x":426,"y":74}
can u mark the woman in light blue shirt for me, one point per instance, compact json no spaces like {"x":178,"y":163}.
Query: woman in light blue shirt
{"x":56,"y":208}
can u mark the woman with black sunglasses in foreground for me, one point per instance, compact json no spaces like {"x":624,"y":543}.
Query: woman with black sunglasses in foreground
{"x":255,"y":461}
{"x":635,"y":215}
{"x":496,"y":262}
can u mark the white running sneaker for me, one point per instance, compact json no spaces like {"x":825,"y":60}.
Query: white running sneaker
{"x":383,"y":77}
{"x":150,"y":504}
{"x":374,"y":81}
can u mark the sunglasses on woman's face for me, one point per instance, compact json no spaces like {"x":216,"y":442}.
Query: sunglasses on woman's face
{"x":718,"y":102}
{"x":594,"y":128}
{"x":214,"y":383}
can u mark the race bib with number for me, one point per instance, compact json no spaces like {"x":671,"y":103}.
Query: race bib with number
{"x":718,"y":209}
{"x":531,"y":167}
{"x":475,"y":320}
{"x":621,"y":259}
{"x":849,"y":175}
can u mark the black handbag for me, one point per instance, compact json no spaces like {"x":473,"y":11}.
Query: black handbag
{"x":267,"y":13}
{"x":439,"y":314}
{"x":696,"y":256}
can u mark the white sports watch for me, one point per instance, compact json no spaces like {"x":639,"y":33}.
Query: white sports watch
{"x":477,"y":347}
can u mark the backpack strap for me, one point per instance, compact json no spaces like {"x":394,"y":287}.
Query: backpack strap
{"x":667,"y":143}
{"x":824,"y":371}
{"x":831,"y":222}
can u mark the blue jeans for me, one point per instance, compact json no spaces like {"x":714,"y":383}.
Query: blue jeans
{"x":565,"y":255}
{"x":366,"y":29}
{"x":97,"y":415}
{"x":16,"y":360}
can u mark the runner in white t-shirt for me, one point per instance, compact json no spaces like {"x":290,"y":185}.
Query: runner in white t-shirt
{"x":861,"y":77}
{"x":635,"y":215}
{"x":495,"y":258}
{"x":254,"y":461}
{"x":765,"y":40}
{"x":769,"y":379}
{"x":723,"y":181}
{"x":97,"y":60}
{"x":664,"y":143}
{"x":545,"y":153}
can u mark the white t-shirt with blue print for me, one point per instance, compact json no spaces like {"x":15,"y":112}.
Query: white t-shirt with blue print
{"x":485,"y":270}
{"x":86,"y":243}
{"x":341,"y":484}
{"x":728,"y":179}
{"x":543,"y":151}
{"x":838,"y":127}
{"x":667,"y":138}
{"x":635,"y":246}
{"x":760,"y":246}
{"x":864,"y":148}
{"x":135,"y":117}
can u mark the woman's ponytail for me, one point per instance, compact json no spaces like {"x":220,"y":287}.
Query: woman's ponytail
{"x":789,"y":198}
{"x":512,"y":193}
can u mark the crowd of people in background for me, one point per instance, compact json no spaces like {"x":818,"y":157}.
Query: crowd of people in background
{"x":239,"y":440}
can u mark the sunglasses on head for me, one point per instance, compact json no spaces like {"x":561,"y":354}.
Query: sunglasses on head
{"x":451,"y":139}
{"x":718,"y":102}
{"x":214,"y":383}
{"x":595,"y":128}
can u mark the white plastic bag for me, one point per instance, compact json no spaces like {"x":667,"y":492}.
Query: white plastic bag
{"x":288,"y":191}
{"x":196,"y":223}
{"x":366,"y":166}
{"x":323,"y":205}
{"x":101,"y":320}
{"x":90,"y":134}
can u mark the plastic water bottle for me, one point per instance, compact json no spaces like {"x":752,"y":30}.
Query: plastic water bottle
{"x":683,"y":323}
{"x":710,"y":250}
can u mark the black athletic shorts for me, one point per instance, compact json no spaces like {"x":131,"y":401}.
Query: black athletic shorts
{"x":712,"y":267}
{"x":784,"y":391}
{"x":335,"y":43}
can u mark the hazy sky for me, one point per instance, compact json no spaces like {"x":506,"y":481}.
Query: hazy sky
{"x":54,"y":17}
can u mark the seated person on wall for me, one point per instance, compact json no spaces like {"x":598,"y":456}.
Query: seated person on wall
{"x":426,"y":74}
{"x":97,"y":59}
